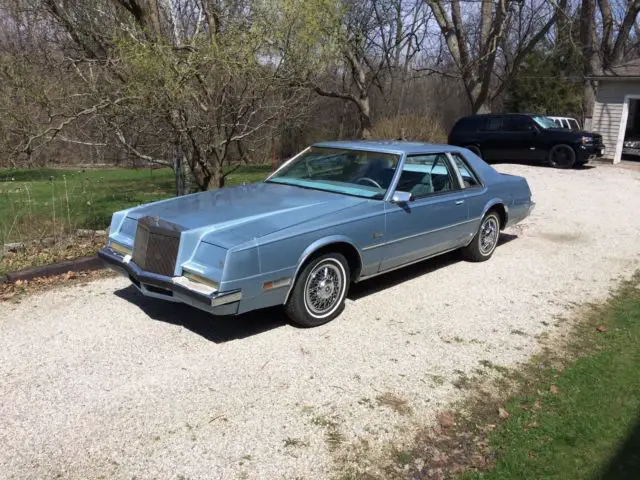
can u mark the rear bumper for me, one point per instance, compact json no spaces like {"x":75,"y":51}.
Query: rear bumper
{"x":166,"y":288}
{"x":519,"y":212}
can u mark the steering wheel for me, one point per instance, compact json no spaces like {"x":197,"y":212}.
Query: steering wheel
{"x":369,"y":180}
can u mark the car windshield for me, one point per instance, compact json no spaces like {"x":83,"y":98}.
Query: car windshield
{"x":351,"y":172}
{"x":545,"y":122}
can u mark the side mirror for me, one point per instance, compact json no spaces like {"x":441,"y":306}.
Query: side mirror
{"x":401,"y":197}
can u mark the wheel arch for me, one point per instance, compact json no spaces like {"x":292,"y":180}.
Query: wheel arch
{"x":337,"y":243}
{"x":499,"y":206}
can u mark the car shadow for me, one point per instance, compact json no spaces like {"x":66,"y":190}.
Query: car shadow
{"x":580,"y":167}
{"x":625,"y":463}
{"x":396,"y":277}
{"x":218,"y":329}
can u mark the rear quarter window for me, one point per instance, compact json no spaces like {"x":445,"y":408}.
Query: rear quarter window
{"x":469,"y":177}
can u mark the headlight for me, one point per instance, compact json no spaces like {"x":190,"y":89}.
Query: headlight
{"x":121,"y":249}
{"x":586,"y":140}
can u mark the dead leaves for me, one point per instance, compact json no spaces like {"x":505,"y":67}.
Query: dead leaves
{"x":601,"y":329}
{"x":553,"y":389}
{"x":446,"y":420}
{"x":503,"y":414}
{"x":37,"y":254}
{"x":16,"y":291}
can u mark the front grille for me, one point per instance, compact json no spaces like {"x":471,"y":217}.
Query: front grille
{"x":156,"y":246}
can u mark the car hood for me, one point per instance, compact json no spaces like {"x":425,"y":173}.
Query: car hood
{"x":248,"y":211}
{"x":576,"y":133}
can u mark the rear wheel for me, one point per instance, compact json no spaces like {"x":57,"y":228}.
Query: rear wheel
{"x":485,"y":241}
{"x":562,"y":156}
{"x":319,"y":292}
{"x":476,"y":150}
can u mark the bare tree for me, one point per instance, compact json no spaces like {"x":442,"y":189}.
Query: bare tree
{"x":480,"y":45}
{"x":606,"y":41}
{"x":199,"y":76}
{"x":377,"y":40}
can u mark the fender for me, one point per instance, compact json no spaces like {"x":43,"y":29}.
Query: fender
{"x":314,"y":247}
{"x":492,"y":203}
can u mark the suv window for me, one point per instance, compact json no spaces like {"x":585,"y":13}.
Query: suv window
{"x":573,"y":125}
{"x":491,"y":124}
{"x":468,"y":176}
{"x":424,"y":175}
{"x":517,"y":124}
{"x":466,"y":124}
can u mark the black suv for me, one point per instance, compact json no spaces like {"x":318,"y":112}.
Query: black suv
{"x":516,"y":136}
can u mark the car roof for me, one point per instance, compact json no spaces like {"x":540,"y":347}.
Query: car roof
{"x":389,"y":146}
{"x":504,"y":115}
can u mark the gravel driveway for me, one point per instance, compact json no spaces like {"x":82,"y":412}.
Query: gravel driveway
{"x":99,"y":382}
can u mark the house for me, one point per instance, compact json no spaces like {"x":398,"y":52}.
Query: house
{"x":616,"y":113}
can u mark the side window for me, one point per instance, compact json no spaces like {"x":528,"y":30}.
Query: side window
{"x":517,"y":124}
{"x":573,"y":125}
{"x":491,"y":124}
{"x":424,"y":175}
{"x":468,"y":176}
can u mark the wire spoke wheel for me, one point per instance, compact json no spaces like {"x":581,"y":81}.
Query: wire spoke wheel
{"x":489,"y":233}
{"x":323,"y":288}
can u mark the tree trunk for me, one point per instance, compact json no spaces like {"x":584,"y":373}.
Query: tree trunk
{"x":365,"y":118}
{"x":480,"y":102}
{"x":218,"y":178}
{"x":587,"y":21}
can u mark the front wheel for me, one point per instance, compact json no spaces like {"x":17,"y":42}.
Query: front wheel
{"x":562,"y":156}
{"x":486,"y":239}
{"x":319,"y":292}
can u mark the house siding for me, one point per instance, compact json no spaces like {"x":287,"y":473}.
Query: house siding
{"x":607,"y":111}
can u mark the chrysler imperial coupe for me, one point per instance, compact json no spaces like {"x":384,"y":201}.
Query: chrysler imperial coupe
{"x":336,"y":213}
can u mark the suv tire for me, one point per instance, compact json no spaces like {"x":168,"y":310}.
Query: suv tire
{"x":562,"y":156}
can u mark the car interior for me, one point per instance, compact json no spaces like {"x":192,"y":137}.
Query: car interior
{"x":421,"y":175}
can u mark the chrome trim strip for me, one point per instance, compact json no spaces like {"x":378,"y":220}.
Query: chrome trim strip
{"x":287,"y":163}
{"x":225,"y":298}
{"x":452,"y":165}
{"x":370,"y":247}
{"x":396,"y":178}
{"x":421,"y":259}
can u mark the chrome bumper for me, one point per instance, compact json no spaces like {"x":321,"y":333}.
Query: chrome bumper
{"x":160,"y":286}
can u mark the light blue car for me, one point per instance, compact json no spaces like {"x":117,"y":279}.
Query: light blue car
{"x":336,"y":213}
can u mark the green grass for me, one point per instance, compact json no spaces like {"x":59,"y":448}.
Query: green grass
{"x":590,"y":427}
{"x":35,"y":203}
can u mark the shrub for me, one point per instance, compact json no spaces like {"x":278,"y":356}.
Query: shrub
{"x":410,"y":127}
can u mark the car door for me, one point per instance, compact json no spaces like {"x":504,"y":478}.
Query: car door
{"x":490,"y":138}
{"x":434,"y":221}
{"x":521,"y":138}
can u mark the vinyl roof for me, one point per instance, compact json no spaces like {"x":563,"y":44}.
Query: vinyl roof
{"x":389,"y":146}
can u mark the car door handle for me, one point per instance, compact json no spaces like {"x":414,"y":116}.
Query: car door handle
{"x":459,"y":202}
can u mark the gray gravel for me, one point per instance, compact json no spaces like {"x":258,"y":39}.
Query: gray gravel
{"x":98,"y":382}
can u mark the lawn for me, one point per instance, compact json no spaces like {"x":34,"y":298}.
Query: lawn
{"x":582,"y":422}
{"x":38,"y":203}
